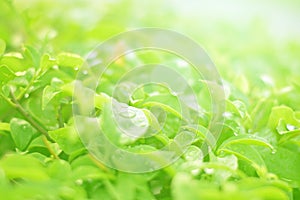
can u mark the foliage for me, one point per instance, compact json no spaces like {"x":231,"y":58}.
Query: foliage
{"x":257,"y":155}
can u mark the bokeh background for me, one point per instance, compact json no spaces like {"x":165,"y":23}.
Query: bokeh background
{"x":257,"y":39}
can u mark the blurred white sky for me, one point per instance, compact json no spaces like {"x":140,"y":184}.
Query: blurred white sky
{"x":282,"y":18}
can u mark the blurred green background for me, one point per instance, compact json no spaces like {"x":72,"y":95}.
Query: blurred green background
{"x":249,"y":41}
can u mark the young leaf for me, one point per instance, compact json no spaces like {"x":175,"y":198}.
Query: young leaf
{"x":46,"y":62}
{"x":289,"y":135}
{"x":22,"y":132}
{"x":6,"y":74}
{"x":165,"y":107}
{"x":48,"y":94}
{"x":282,"y":113}
{"x":23,"y":166}
{"x":32,"y":55}
{"x":14,"y":62}
{"x":67,"y":138}
{"x":246,"y":153}
{"x":246,"y":139}
{"x":69,"y":60}
{"x":4,"y":126}
{"x":59,"y":169}
{"x":152,"y":119}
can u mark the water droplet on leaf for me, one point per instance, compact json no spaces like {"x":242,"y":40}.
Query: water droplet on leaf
{"x":127,"y":113}
{"x":290,"y":127}
{"x":195,"y":172}
{"x":209,"y":170}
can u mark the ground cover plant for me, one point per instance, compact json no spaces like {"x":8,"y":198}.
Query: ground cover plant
{"x":43,"y":48}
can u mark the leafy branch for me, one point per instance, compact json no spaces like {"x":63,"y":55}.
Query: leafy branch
{"x":28,"y":117}
{"x":16,"y":104}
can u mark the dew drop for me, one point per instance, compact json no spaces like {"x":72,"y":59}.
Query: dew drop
{"x":209,"y":170}
{"x":26,"y":95}
{"x":76,"y":68}
{"x":227,"y":114}
{"x":195,"y":172}
{"x":273,"y":151}
{"x":55,"y":67}
{"x":85,"y":72}
{"x":290,"y":127}
{"x":127,"y":113}
{"x":184,"y":138}
{"x":193,"y":153}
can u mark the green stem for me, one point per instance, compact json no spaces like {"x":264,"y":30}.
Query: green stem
{"x":60,"y":117}
{"x":98,"y":163}
{"x":35,"y":77}
{"x":28,"y":117}
{"x":111,"y":189}
{"x":8,"y":101}
{"x":15,"y":104}
{"x":46,"y":142}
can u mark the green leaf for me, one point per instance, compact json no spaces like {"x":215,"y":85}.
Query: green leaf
{"x":87,"y":172}
{"x":69,"y":60}
{"x":32,"y":55}
{"x":67,"y":138}
{"x":23,"y":166}
{"x":248,"y":139}
{"x":152,"y":119}
{"x":202,"y":133}
{"x":38,"y":145}
{"x":48,"y":94}
{"x":47,"y":117}
{"x":14,"y":62}
{"x":184,"y":187}
{"x":246,"y":153}
{"x":284,"y":162}
{"x":258,"y":115}
{"x":289,"y":135}
{"x":82,"y":160}
{"x":100,"y":100}
{"x":22,"y":132}
{"x":6,"y":143}
{"x":4,"y":126}
{"x":282,"y":114}
{"x":46,"y":62}
{"x":59,"y":169}
{"x":6,"y":74}
{"x":163,"y":106}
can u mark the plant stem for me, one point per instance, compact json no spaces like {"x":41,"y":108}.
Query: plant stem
{"x":35,"y":77}
{"x":28,"y":117}
{"x":98,"y":163}
{"x":8,"y":100}
{"x":111,"y":189}
{"x":60,"y":117}
{"x":46,"y":138}
{"x":46,"y":142}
